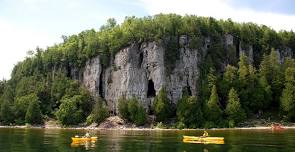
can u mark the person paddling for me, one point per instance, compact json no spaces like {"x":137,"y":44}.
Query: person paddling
{"x":205,"y":134}
{"x":87,"y":135}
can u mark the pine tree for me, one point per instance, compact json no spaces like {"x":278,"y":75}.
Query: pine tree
{"x":288,"y":95}
{"x":33,"y":114}
{"x":212,"y":79}
{"x":6,"y":113}
{"x":233,"y":109}
{"x":214,"y":111}
{"x":162,"y":106}
{"x":243,"y":71}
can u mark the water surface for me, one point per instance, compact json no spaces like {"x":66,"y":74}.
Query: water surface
{"x":59,"y":140}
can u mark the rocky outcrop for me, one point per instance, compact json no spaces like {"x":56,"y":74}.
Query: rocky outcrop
{"x":284,"y":53}
{"x":91,"y":76}
{"x":139,"y":71}
{"x":247,"y":50}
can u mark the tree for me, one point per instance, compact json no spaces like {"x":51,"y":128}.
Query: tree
{"x":233,"y":109}
{"x":230,"y":74}
{"x":214,"y":112}
{"x":243,"y":71}
{"x":272,"y":75}
{"x":161,"y":106}
{"x":132,"y":111}
{"x":69,"y":113}
{"x":21,"y":106}
{"x":6,"y":113}
{"x":288,"y":95}
{"x":100,"y":111}
{"x":189,"y":112}
{"x":212,"y":79}
{"x":33,"y":114}
{"x":123,"y":107}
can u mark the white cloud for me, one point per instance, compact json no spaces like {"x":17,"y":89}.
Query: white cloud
{"x":16,"y":41}
{"x":220,"y":9}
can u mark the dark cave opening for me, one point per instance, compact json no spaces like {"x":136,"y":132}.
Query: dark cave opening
{"x":187,"y":90}
{"x":100,"y":87}
{"x":151,"y":89}
{"x":140,"y":59}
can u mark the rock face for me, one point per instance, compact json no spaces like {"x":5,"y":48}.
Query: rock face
{"x":139,"y":71}
{"x":91,"y":76}
{"x":247,"y":50}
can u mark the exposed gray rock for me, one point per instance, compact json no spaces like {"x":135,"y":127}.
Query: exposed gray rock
{"x":138,"y":71}
{"x":91,"y":76}
{"x":283,"y":54}
{"x":247,"y":50}
{"x":229,"y":39}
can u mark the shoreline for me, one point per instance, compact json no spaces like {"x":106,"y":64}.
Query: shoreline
{"x":143,"y":129}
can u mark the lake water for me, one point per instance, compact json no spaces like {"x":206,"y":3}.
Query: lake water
{"x":59,"y":140}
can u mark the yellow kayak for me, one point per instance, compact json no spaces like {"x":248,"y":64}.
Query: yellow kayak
{"x":203,"y":140}
{"x":83,"y":139}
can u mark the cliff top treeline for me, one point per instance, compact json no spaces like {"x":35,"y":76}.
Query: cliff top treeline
{"x":43,"y":85}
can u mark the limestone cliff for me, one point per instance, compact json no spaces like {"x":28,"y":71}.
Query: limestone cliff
{"x":139,"y":71}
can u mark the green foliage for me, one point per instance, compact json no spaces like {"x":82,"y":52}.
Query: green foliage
{"x":123,"y":107}
{"x":189,"y":112}
{"x":160,"y":125}
{"x":132,"y":111}
{"x":99,"y":111}
{"x":48,"y":73}
{"x":233,"y":109}
{"x":214,"y":112}
{"x":243,"y":71}
{"x":21,"y":106}
{"x":162,"y":106}
{"x":71,"y":110}
{"x":33,"y":114}
{"x":6,"y":113}
{"x":212,"y":79}
{"x":288,"y":95}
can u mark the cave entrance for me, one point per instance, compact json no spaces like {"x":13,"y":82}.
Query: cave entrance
{"x":140,"y":59}
{"x":151,"y":89}
{"x":187,"y":90}
{"x":100,"y":87}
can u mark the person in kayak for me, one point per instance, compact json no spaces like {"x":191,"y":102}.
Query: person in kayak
{"x":205,"y":134}
{"x":87,"y":135}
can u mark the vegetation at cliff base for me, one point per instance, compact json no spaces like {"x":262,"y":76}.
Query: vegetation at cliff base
{"x":132,"y":111}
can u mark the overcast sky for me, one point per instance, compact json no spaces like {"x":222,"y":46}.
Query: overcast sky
{"x":26,"y":24}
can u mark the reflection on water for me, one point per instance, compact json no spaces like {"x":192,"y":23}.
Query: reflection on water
{"x":59,"y":140}
{"x":86,"y":144}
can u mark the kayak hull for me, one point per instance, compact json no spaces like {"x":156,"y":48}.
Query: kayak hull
{"x":203,"y":140}
{"x":83,"y":139}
